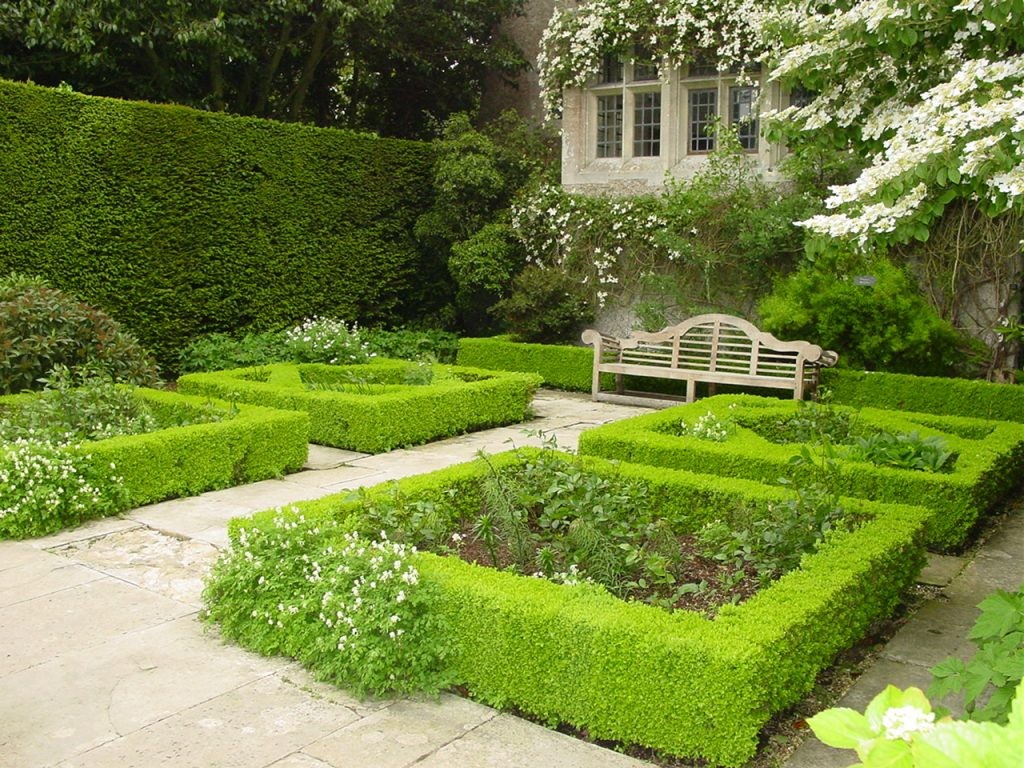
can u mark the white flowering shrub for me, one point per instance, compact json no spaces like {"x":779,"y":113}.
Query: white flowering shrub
{"x":930,"y":93}
{"x":577,"y":38}
{"x":326,"y":340}
{"x":45,"y":487}
{"x":354,"y":610}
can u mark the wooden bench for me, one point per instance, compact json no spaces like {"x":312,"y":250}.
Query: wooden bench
{"x":714,"y":349}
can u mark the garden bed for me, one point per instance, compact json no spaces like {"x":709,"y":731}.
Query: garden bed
{"x":378,"y":406}
{"x":677,"y":682}
{"x":194,"y":455}
{"x":985,"y":462}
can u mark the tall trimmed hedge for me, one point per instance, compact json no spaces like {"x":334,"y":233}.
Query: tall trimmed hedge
{"x":179,"y":222}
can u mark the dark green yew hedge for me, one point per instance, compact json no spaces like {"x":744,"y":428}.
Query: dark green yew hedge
{"x":677,"y":682}
{"x":179,"y":222}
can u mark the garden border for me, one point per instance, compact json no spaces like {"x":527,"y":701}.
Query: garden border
{"x":679,"y":683}
{"x":984,"y":473}
{"x":373,"y":423}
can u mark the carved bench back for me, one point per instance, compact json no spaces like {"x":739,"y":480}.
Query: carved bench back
{"x":717,"y":343}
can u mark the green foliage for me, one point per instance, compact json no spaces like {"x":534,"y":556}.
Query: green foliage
{"x":546,"y":306}
{"x":815,"y":421}
{"x":885,"y":326}
{"x":180,"y":222}
{"x":48,"y":486}
{"x":562,"y":367}
{"x":476,"y":175}
{"x":326,"y":340}
{"x":219,"y":351}
{"x":42,"y":328}
{"x":407,"y":344}
{"x":389,"y":414}
{"x":353,"y":610}
{"x":629,"y":672}
{"x":774,"y":540}
{"x":987,"y":464}
{"x":955,"y":397}
{"x":907,"y":450}
{"x":988,"y":680}
{"x":707,"y":427}
{"x":69,"y":411}
{"x":898,"y":730}
{"x":392,"y":66}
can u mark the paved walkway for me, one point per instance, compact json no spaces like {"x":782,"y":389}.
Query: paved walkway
{"x":104,"y":664}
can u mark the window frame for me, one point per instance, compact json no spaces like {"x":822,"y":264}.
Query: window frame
{"x":637,"y":81}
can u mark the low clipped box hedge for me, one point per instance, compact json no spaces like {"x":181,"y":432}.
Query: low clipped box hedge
{"x":676,"y":682}
{"x":989,"y":455}
{"x":373,"y":409}
{"x":562,"y":367}
{"x":252,"y":444}
{"x":926,"y":394}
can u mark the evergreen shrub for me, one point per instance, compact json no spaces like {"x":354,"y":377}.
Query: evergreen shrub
{"x":988,"y":456}
{"x":677,"y":682}
{"x":180,"y":222}
{"x":379,"y":405}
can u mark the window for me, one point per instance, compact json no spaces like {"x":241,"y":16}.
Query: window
{"x":647,"y":124}
{"x":626,"y":107}
{"x":703,"y":114}
{"x":609,"y":125}
{"x":800,"y":97}
{"x":741,"y":115}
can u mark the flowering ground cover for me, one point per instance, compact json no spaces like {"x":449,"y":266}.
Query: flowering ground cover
{"x":744,"y":436}
{"x":380,"y":405}
{"x":323,"y":583}
{"x":72,"y":467}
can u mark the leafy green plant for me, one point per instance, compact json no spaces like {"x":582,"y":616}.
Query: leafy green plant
{"x":988,"y":680}
{"x":220,"y":351}
{"x":899,"y":730}
{"x":42,"y":327}
{"x":546,"y":306}
{"x":407,"y":344}
{"x":815,"y":422}
{"x":905,"y":450}
{"x":353,"y":609}
{"x":72,"y":411}
{"x":708,"y":427}
{"x":772,"y":541}
{"x":887,"y":325}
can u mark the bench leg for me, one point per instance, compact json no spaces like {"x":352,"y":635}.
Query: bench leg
{"x":595,"y":387}
{"x":619,"y":386}
{"x":712,"y":387}
{"x":691,"y":390}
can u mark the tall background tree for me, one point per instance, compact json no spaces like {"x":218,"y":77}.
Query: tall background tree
{"x":388,"y":65}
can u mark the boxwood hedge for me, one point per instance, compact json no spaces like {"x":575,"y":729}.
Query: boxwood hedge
{"x":253,"y":444}
{"x":989,"y":456}
{"x":677,"y":682}
{"x":376,"y":411}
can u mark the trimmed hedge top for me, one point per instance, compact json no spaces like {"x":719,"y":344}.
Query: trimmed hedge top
{"x":677,"y":682}
{"x":371,"y":407}
{"x":180,"y":222}
{"x":989,"y":456}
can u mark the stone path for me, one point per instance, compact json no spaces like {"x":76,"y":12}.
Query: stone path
{"x":104,"y":664}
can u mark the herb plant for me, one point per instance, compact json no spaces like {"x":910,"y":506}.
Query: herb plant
{"x":904,"y":450}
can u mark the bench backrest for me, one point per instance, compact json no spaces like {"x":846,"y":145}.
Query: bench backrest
{"x":720,"y":343}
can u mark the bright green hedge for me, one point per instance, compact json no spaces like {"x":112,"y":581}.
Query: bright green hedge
{"x":678,"y":682}
{"x":561,"y":367}
{"x":254,"y":444}
{"x":179,"y":222}
{"x":991,"y":454}
{"x":377,"y":421}
{"x":925,"y":394}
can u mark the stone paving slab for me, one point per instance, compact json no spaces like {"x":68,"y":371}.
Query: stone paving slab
{"x":36,"y":631}
{"x":251,"y":726}
{"x":188,"y":517}
{"x":42,"y":575}
{"x":326,"y":457}
{"x":940,"y":570}
{"x":83,"y":699}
